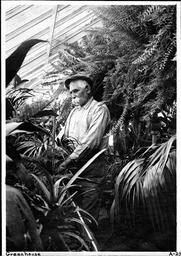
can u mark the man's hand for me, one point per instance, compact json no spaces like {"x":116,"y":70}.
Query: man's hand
{"x":64,"y":165}
{"x":61,"y":168}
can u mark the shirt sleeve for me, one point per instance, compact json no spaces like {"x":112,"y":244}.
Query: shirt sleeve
{"x":93,"y":138}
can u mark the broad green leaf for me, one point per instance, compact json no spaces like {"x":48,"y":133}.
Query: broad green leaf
{"x":11,"y":127}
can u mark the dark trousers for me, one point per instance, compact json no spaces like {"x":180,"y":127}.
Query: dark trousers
{"x":90,"y":186}
{"x":89,"y":195}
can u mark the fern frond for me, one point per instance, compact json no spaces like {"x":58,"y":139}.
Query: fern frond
{"x":121,"y":122}
{"x":153,"y":9}
{"x":148,"y":53}
{"x":168,"y":56}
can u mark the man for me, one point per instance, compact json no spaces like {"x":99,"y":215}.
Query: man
{"x":86,"y":125}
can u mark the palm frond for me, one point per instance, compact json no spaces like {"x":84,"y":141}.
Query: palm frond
{"x":160,"y":155}
{"x":146,"y":183}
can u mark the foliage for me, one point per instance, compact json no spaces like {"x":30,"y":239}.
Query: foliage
{"x":145,"y":190}
{"x":15,"y":60}
{"x":22,"y":232}
{"x":62,"y":224}
{"x":27,"y":112}
{"x":60,"y":213}
{"x":131,"y":60}
{"x":140,"y":79}
{"x":15,"y":98}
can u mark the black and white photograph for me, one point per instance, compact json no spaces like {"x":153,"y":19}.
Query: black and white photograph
{"x":90,"y":99}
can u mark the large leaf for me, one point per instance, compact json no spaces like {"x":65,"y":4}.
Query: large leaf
{"x":160,"y":155}
{"x":159,"y":182}
{"x":26,"y":127}
{"x":125,"y":181}
{"x":146,"y":183}
{"x":15,"y":60}
{"x":31,"y":147}
{"x":12,"y":126}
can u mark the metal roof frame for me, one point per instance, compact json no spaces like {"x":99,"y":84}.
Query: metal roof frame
{"x":55,"y":23}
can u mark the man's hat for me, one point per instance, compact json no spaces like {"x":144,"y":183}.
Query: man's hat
{"x":78,"y":77}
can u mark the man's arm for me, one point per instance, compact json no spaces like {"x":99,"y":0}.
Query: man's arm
{"x":92,"y":140}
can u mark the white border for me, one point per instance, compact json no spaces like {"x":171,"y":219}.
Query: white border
{"x":3,"y":135}
{"x":14,"y":3}
{"x":178,"y":126}
{"x":6,"y":4}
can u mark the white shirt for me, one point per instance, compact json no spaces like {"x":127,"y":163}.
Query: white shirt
{"x":87,"y":125}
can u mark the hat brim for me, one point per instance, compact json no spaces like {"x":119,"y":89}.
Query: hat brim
{"x":78,"y":77}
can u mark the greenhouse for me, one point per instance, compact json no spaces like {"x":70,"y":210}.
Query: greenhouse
{"x":91,"y":107}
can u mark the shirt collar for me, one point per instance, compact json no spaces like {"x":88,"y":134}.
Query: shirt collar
{"x":87,"y":104}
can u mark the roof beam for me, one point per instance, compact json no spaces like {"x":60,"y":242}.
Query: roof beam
{"x":54,"y":16}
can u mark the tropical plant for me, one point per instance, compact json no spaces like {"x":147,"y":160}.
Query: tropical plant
{"x":62,"y":219}
{"x":15,"y":60}
{"x":14,"y":129}
{"x":145,"y":193}
{"x":61,"y":223}
{"x":15,"y":98}
{"x":22,"y":231}
{"x":13,"y":64}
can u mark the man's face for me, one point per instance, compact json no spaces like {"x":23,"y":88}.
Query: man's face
{"x":80,"y":92}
